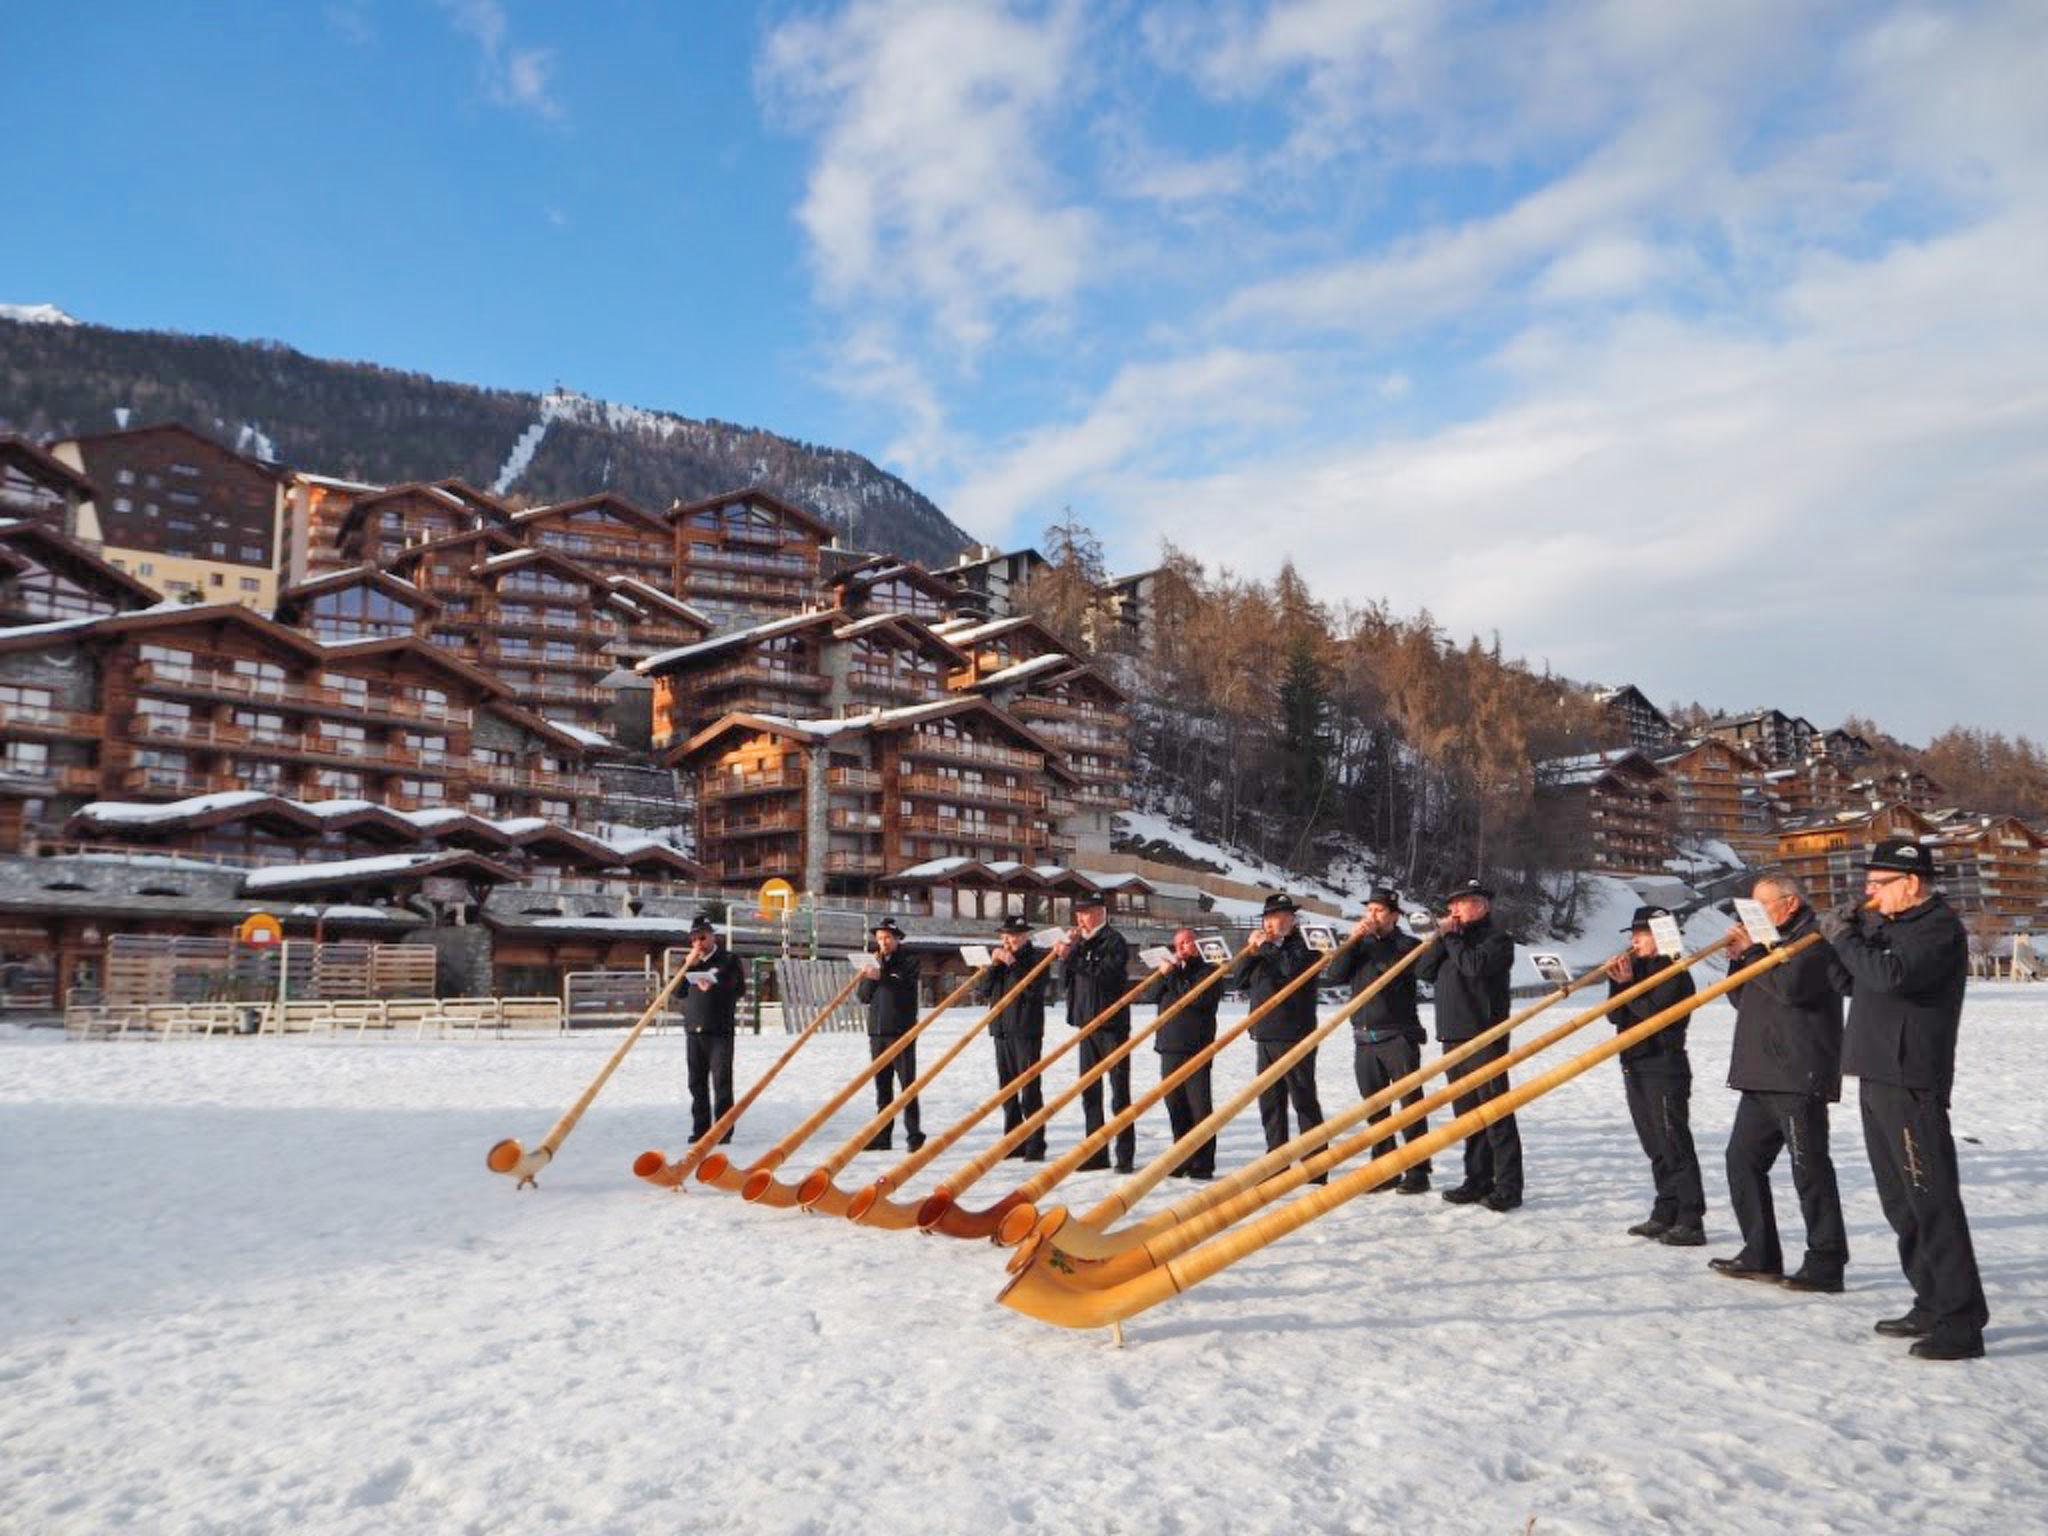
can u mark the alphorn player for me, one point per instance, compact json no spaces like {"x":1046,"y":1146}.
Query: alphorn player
{"x":1470,"y":968}
{"x":1387,"y":1032}
{"x":1656,"y":1076}
{"x":1909,"y":961}
{"x":889,"y":988}
{"x":1278,"y":955}
{"x":1786,"y":1062}
{"x":1185,"y":1035}
{"x":1018,"y":1031}
{"x":1094,"y":961}
{"x":716,"y":982}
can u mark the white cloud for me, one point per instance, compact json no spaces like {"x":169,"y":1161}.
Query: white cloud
{"x":512,"y":76}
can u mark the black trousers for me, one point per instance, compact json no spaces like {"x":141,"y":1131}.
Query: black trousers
{"x":1660,"y":1104}
{"x":889,"y":1082}
{"x":1377,"y":1064}
{"x":709,"y":1060}
{"x":1493,"y":1156}
{"x":1797,"y":1122}
{"x":1016,"y":1055}
{"x":1299,"y":1085}
{"x":1913,"y":1158}
{"x":1093,"y":1049}
{"x":1187,"y":1107}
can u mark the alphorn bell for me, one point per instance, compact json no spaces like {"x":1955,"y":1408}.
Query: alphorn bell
{"x":1040,"y":1291}
{"x":871,"y":1207}
{"x":657,"y":1169}
{"x":1284,"y":1169}
{"x":817,"y":1191}
{"x":1035,"y":1188}
{"x":508,"y":1157}
{"x":939,"y":1211}
{"x":717,"y":1170}
{"x":1127,"y":1194}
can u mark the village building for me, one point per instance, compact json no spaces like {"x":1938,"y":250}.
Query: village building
{"x":37,"y":487}
{"x":1633,"y":721}
{"x":1619,"y":803}
{"x":746,"y":556}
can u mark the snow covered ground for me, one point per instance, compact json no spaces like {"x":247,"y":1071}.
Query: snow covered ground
{"x":268,"y":1285}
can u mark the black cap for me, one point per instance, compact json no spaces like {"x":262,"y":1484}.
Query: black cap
{"x":1279,"y":901}
{"x":1090,"y":899}
{"x":702,"y":924}
{"x":887,"y":925}
{"x":1014,"y":925}
{"x":1643,"y":916}
{"x":1384,"y":896}
{"x":1904,"y":855}
{"x":1471,"y":888}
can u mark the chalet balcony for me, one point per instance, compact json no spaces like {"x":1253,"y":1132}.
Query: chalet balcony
{"x":734,"y":786}
{"x":786,"y":591}
{"x":224,"y":736}
{"x":51,"y":778}
{"x":558,"y":690}
{"x":843,"y":820}
{"x":918,"y":825}
{"x":506,"y":776}
{"x":940,"y":787}
{"x":711,"y":557}
{"x":519,"y":656}
{"x":1032,"y":707}
{"x":657,"y":553}
{"x":756,"y":674}
{"x":1101,"y":797}
{"x":861,"y":779}
{"x":303,"y":697}
{"x":894,"y":685}
{"x":862,"y":863}
{"x":768,"y":824}
{"x":959,"y":749}
{"x":535,"y":623}
{"x":737,"y":533}
{"x":785,"y":867}
{"x":178,"y":783}
{"x":37,"y":720}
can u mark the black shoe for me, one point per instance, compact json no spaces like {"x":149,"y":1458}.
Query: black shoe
{"x":1819,"y":1281}
{"x":1099,"y":1160}
{"x":916,"y":1140}
{"x":1014,"y":1152}
{"x":1682,"y":1236}
{"x":879,"y":1144}
{"x":1954,"y":1347}
{"x":1177,"y":1173}
{"x":1735,"y":1269}
{"x":1414,"y":1182}
{"x":1914,"y":1325}
{"x":1202,"y":1175}
{"x":1126,"y":1166}
{"x":1502,"y":1203}
{"x":1466,"y":1194}
{"x":1385,"y":1189}
{"x":725,"y":1138}
{"x":1653,"y":1228}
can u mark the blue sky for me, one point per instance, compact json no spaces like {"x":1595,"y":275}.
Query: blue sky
{"x":1672,"y":341}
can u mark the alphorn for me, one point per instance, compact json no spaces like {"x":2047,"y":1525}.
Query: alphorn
{"x":939,"y":1212}
{"x":817,"y":1192}
{"x":508,"y":1157}
{"x":871,"y":1207}
{"x":1267,"y":1178}
{"x":1040,"y":1290}
{"x":1022,"y":1219}
{"x":1034,"y":1189}
{"x":717,"y":1169}
{"x":657,"y":1169}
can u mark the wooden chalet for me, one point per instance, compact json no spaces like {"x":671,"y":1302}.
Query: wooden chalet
{"x":746,"y":556}
{"x":378,"y":527}
{"x":1717,"y":792}
{"x":38,"y":487}
{"x":359,"y":602}
{"x":990,"y":581}
{"x":47,"y":576}
{"x":1633,"y":721}
{"x":605,"y":533}
{"x":1994,"y":869}
{"x":1801,"y":790}
{"x":886,"y":585}
{"x":1620,"y":801}
{"x":1828,"y":851}
{"x":1771,"y":736}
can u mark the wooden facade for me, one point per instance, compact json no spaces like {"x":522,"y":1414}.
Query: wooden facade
{"x":1828,"y":852}
{"x":746,"y":557}
{"x":1717,"y":791}
{"x":1994,"y":869}
{"x":1620,"y":802}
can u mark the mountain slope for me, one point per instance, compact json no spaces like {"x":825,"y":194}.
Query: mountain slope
{"x":361,"y":421}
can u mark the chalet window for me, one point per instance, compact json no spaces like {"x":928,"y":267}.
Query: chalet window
{"x":252,"y":554}
{"x":422,"y":789}
{"x":217,"y":580}
{"x":484,"y":805}
{"x":124,"y":477}
{"x":190,"y":471}
{"x":123,"y":504}
{"x":218,"y":549}
{"x":258,"y":773}
{"x":263,"y":671}
{"x":166,"y":762}
{"x":555,"y":808}
{"x":332,"y":731}
{"x":16,"y":696}
{"x":251,"y":584}
{"x":339,"y":781}
{"x":432,"y":749}
{"x":493,"y":757}
{"x":342,"y":682}
{"x":438,"y":697}
{"x":181,"y":525}
{"x":31,"y":758}
{"x":183,"y":499}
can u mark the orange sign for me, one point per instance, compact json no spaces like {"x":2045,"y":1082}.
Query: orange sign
{"x":260,"y":928}
{"x":777,"y":897}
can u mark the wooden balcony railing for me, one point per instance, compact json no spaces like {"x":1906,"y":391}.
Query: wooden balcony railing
{"x":51,"y":778}
{"x":853,"y":778}
{"x":759,"y":674}
{"x":940,"y":786}
{"x":726,"y":829}
{"x":730,"y":786}
{"x":177,"y":782}
{"x":40,"y":720}
{"x":854,"y":863}
{"x":926,"y":744}
{"x":507,"y":776}
{"x":841,"y":820}
{"x":205,"y":682}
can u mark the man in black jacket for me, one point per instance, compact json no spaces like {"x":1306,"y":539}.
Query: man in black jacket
{"x":1184,"y":1035}
{"x":1909,"y":962}
{"x":1387,"y":1032}
{"x":1657,"y":1078}
{"x":1786,"y":1063}
{"x":1470,"y":968}
{"x":1095,"y":963}
{"x":889,"y":988}
{"x":1280,"y":955}
{"x":1018,"y":1031}
{"x":716,"y":981}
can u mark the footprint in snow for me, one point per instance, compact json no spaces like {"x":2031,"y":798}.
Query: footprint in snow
{"x":383,"y":1485}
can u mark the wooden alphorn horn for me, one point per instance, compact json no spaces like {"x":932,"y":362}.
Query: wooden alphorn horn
{"x":817,"y":1191}
{"x":871,"y":1207}
{"x":657,"y":1169}
{"x":1034,"y":1188}
{"x":509,"y":1158}
{"x":1088,"y":1235}
{"x":717,"y":1170}
{"x":1267,"y":1178}
{"x":939,"y":1211}
{"x":1040,"y":1290}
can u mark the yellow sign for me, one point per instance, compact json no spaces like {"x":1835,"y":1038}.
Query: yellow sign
{"x":777,"y":897}
{"x":260,"y":928}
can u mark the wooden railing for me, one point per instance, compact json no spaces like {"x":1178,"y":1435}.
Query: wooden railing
{"x":38,"y":717}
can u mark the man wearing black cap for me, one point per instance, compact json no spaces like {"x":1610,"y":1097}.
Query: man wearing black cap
{"x":1095,"y":962}
{"x":1018,"y":1031}
{"x":1470,"y":968}
{"x":1185,"y":1035}
{"x":1786,"y":1062}
{"x":716,"y":981}
{"x":1278,"y":956}
{"x":1657,"y":1078}
{"x":1909,"y":960}
{"x":889,"y":988}
{"x":1387,"y":1032}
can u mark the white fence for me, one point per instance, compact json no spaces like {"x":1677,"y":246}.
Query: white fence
{"x":415,"y":1017}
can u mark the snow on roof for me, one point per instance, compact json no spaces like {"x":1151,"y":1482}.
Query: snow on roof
{"x":988,"y":630}
{"x":1023,"y":669}
{"x":284,"y":876}
{"x":326,"y":808}
{"x":666,"y":599}
{"x":935,"y":867}
{"x":583,"y":733}
{"x":142,"y":813}
{"x":954,"y":626}
{"x":519,"y":826}
{"x":608,"y":924}
{"x":336,"y":481}
{"x":59,"y":626}
{"x":732,"y":638}
{"x":439,"y":816}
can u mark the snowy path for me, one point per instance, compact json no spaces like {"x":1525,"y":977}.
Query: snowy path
{"x":267,"y":1286}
